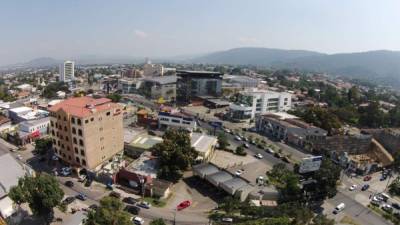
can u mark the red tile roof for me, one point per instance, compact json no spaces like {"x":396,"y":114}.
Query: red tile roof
{"x":83,"y":106}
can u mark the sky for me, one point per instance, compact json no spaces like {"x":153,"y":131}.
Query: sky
{"x":165,"y":28}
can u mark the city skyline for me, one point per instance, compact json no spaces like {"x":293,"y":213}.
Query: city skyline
{"x":66,"y":30}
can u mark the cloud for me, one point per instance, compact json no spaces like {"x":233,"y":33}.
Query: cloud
{"x":248,"y":40}
{"x":141,"y":34}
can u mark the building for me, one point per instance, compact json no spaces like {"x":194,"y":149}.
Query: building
{"x":159,"y":87}
{"x":254,"y":102}
{"x":192,"y":84}
{"x":86,"y":132}
{"x":10,"y":172}
{"x":204,"y":145}
{"x":25,"y":113}
{"x":150,"y":70}
{"x":240,"y":81}
{"x":288,"y":128}
{"x":128,"y":86}
{"x":141,"y":143}
{"x":67,"y":71}
{"x":33,"y":129}
{"x":5,"y":124}
{"x":176,"y":119}
{"x":25,"y":87}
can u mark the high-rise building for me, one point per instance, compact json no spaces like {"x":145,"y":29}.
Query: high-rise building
{"x":151,"y":70}
{"x":67,"y":71}
{"x":86,"y":131}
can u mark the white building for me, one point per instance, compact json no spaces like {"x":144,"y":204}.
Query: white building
{"x":67,"y":71}
{"x":257,"y":102}
{"x":176,"y":119}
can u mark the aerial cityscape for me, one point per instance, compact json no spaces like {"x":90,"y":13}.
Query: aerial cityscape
{"x":200,"y":112}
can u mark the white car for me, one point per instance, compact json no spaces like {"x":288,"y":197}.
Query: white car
{"x":237,"y":138}
{"x":258,"y":156}
{"x":239,"y":172}
{"x":352,"y":187}
{"x":227,"y":130}
{"x":246,"y":145}
{"x":138,"y":220}
{"x":270,"y":150}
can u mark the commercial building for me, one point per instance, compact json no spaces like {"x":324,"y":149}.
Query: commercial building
{"x":86,"y":131}
{"x":289,"y":128}
{"x":32,"y":129}
{"x":240,"y":81}
{"x":128,"y":86}
{"x":67,"y":71}
{"x":150,"y":70}
{"x":192,"y":84}
{"x":25,"y":113}
{"x":251,"y":103}
{"x":176,"y":119}
{"x":159,"y":87}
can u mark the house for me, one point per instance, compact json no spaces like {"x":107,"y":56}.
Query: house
{"x":176,"y":119}
{"x":5,"y":124}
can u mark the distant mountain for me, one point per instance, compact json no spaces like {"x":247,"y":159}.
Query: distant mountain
{"x":253,"y":56}
{"x":379,"y":66}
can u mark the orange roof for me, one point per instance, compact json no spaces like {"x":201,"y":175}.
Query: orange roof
{"x":83,"y":106}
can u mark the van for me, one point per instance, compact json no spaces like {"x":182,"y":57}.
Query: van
{"x":339,"y":208}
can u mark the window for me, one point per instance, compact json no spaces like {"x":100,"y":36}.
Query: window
{"x":69,"y":157}
{"x":65,"y":128}
{"x":92,"y":119}
{"x":175,"y":121}
{"x":66,"y":138}
{"x":52,"y":132}
{"x":80,"y":142}
{"x":65,"y":118}
{"x":61,"y":137}
{"x":54,"y":141}
{"x":82,"y":152}
{"x":76,"y":150}
{"x":77,"y":160}
{"x":73,"y":130}
{"x":79,"y":132}
{"x":83,"y":162}
{"x":51,"y":123}
{"x":68,"y":149}
{"x":86,"y":121}
{"x":75,"y":142}
{"x":79,"y":122}
{"x":73,"y":120}
{"x":108,"y":113}
{"x":62,"y":146}
{"x":58,"y":143}
{"x":100,"y":129}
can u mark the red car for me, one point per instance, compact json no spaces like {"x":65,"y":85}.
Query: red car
{"x":367,"y":178}
{"x":183,"y":205}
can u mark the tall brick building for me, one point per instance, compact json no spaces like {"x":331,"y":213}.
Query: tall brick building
{"x":86,"y":131}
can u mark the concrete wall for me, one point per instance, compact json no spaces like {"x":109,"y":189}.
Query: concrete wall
{"x":349,"y":144}
{"x":387,"y":137}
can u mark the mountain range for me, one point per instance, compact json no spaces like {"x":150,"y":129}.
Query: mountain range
{"x":381,"y":66}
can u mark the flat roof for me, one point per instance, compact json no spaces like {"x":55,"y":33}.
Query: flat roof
{"x":35,"y":122}
{"x":219,"y":177}
{"x":202,"y":142}
{"x":10,"y":172}
{"x":145,"y":141}
{"x":205,"y":169}
{"x":162,"y":79}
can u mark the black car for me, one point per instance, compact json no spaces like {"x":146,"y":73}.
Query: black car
{"x":68,"y":200}
{"x":365,"y":187}
{"x":69,"y":183}
{"x":396,"y":205}
{"x":93,"y":206}
{"x":115,"y":194}
{"x":88,"y":182}
{"x":81,"y":197}
{"x":132,"y":209}
{"x":129,"y":200}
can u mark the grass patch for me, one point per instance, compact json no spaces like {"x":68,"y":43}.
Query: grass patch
{"x":348,"y":220}
{"x":156,"y":202}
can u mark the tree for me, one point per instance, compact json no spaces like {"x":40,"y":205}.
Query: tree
{"x":372,"y":116}
{"x":240,"y":151}
{"x":222,"y":141}
{"x":114,"y":97}
{"x":43,"y":145}
{"x":42,"y":193}
{"x":354,"y":95}
{"x":175,"y":154}
{"x":157,"y":222}
{"x":326,"y":177}
{"x":321,"y":118}
{"x":322,"y":220}
{"x":229,"y":204}
{"x":109,"y":212}
{"x":50,"y":91}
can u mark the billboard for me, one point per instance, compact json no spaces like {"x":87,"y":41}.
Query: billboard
{"x":310,"y":164}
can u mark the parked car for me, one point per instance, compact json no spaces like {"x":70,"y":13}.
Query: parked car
{"x":365,"y":187}
{"x":115,"y":194}
{"x":81,"y":197}
{"x":132,"y":209}
{"x":237,"y":138}
{"x":183,"y":205}
{"x":258,"y":156}
{"x":69,"y":183}
{"x":238,"y":172}
{"x":246,"y":145}
{"x":352,"y":187}
{"x":387,"y":208}
{"x":88,"y":182}
{"x":396,"y":205}
{"x":68,"y":200}
{"x":138,"y":221}
{"x":129,"y":200}
{"x":339,"y":208}
{"x":367,"y":178}
{"x":227,"y":220}
{"x":269,"y":150}
{"x":145,"y":205}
